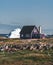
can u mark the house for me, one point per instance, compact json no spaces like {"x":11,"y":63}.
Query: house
{"x":28,"y":32}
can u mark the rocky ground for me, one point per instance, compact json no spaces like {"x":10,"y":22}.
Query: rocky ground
{"x":26,"y":52}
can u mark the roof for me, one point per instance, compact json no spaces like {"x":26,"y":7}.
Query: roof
{"x":27,"y":29}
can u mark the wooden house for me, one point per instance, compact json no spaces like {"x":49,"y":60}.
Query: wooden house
{"x":29,"y":32}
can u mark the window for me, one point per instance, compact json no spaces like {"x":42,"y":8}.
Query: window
{"x":27,"y":35}
{"x":22,"y":35}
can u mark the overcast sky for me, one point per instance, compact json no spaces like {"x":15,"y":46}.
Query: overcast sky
{"x":24,"y":12}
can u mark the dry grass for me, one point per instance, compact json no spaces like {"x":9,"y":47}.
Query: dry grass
{"x":24,"y":41}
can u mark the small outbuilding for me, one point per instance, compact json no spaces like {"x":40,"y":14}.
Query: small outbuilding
{"x":29,"y":32}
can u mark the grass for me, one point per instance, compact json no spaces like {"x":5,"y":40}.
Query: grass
{"x":26,"y":57}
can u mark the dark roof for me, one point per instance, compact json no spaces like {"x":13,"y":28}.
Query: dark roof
{"x":27,"y":29}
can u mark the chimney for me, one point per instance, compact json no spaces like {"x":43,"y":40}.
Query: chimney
{"x":40,"y":29}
